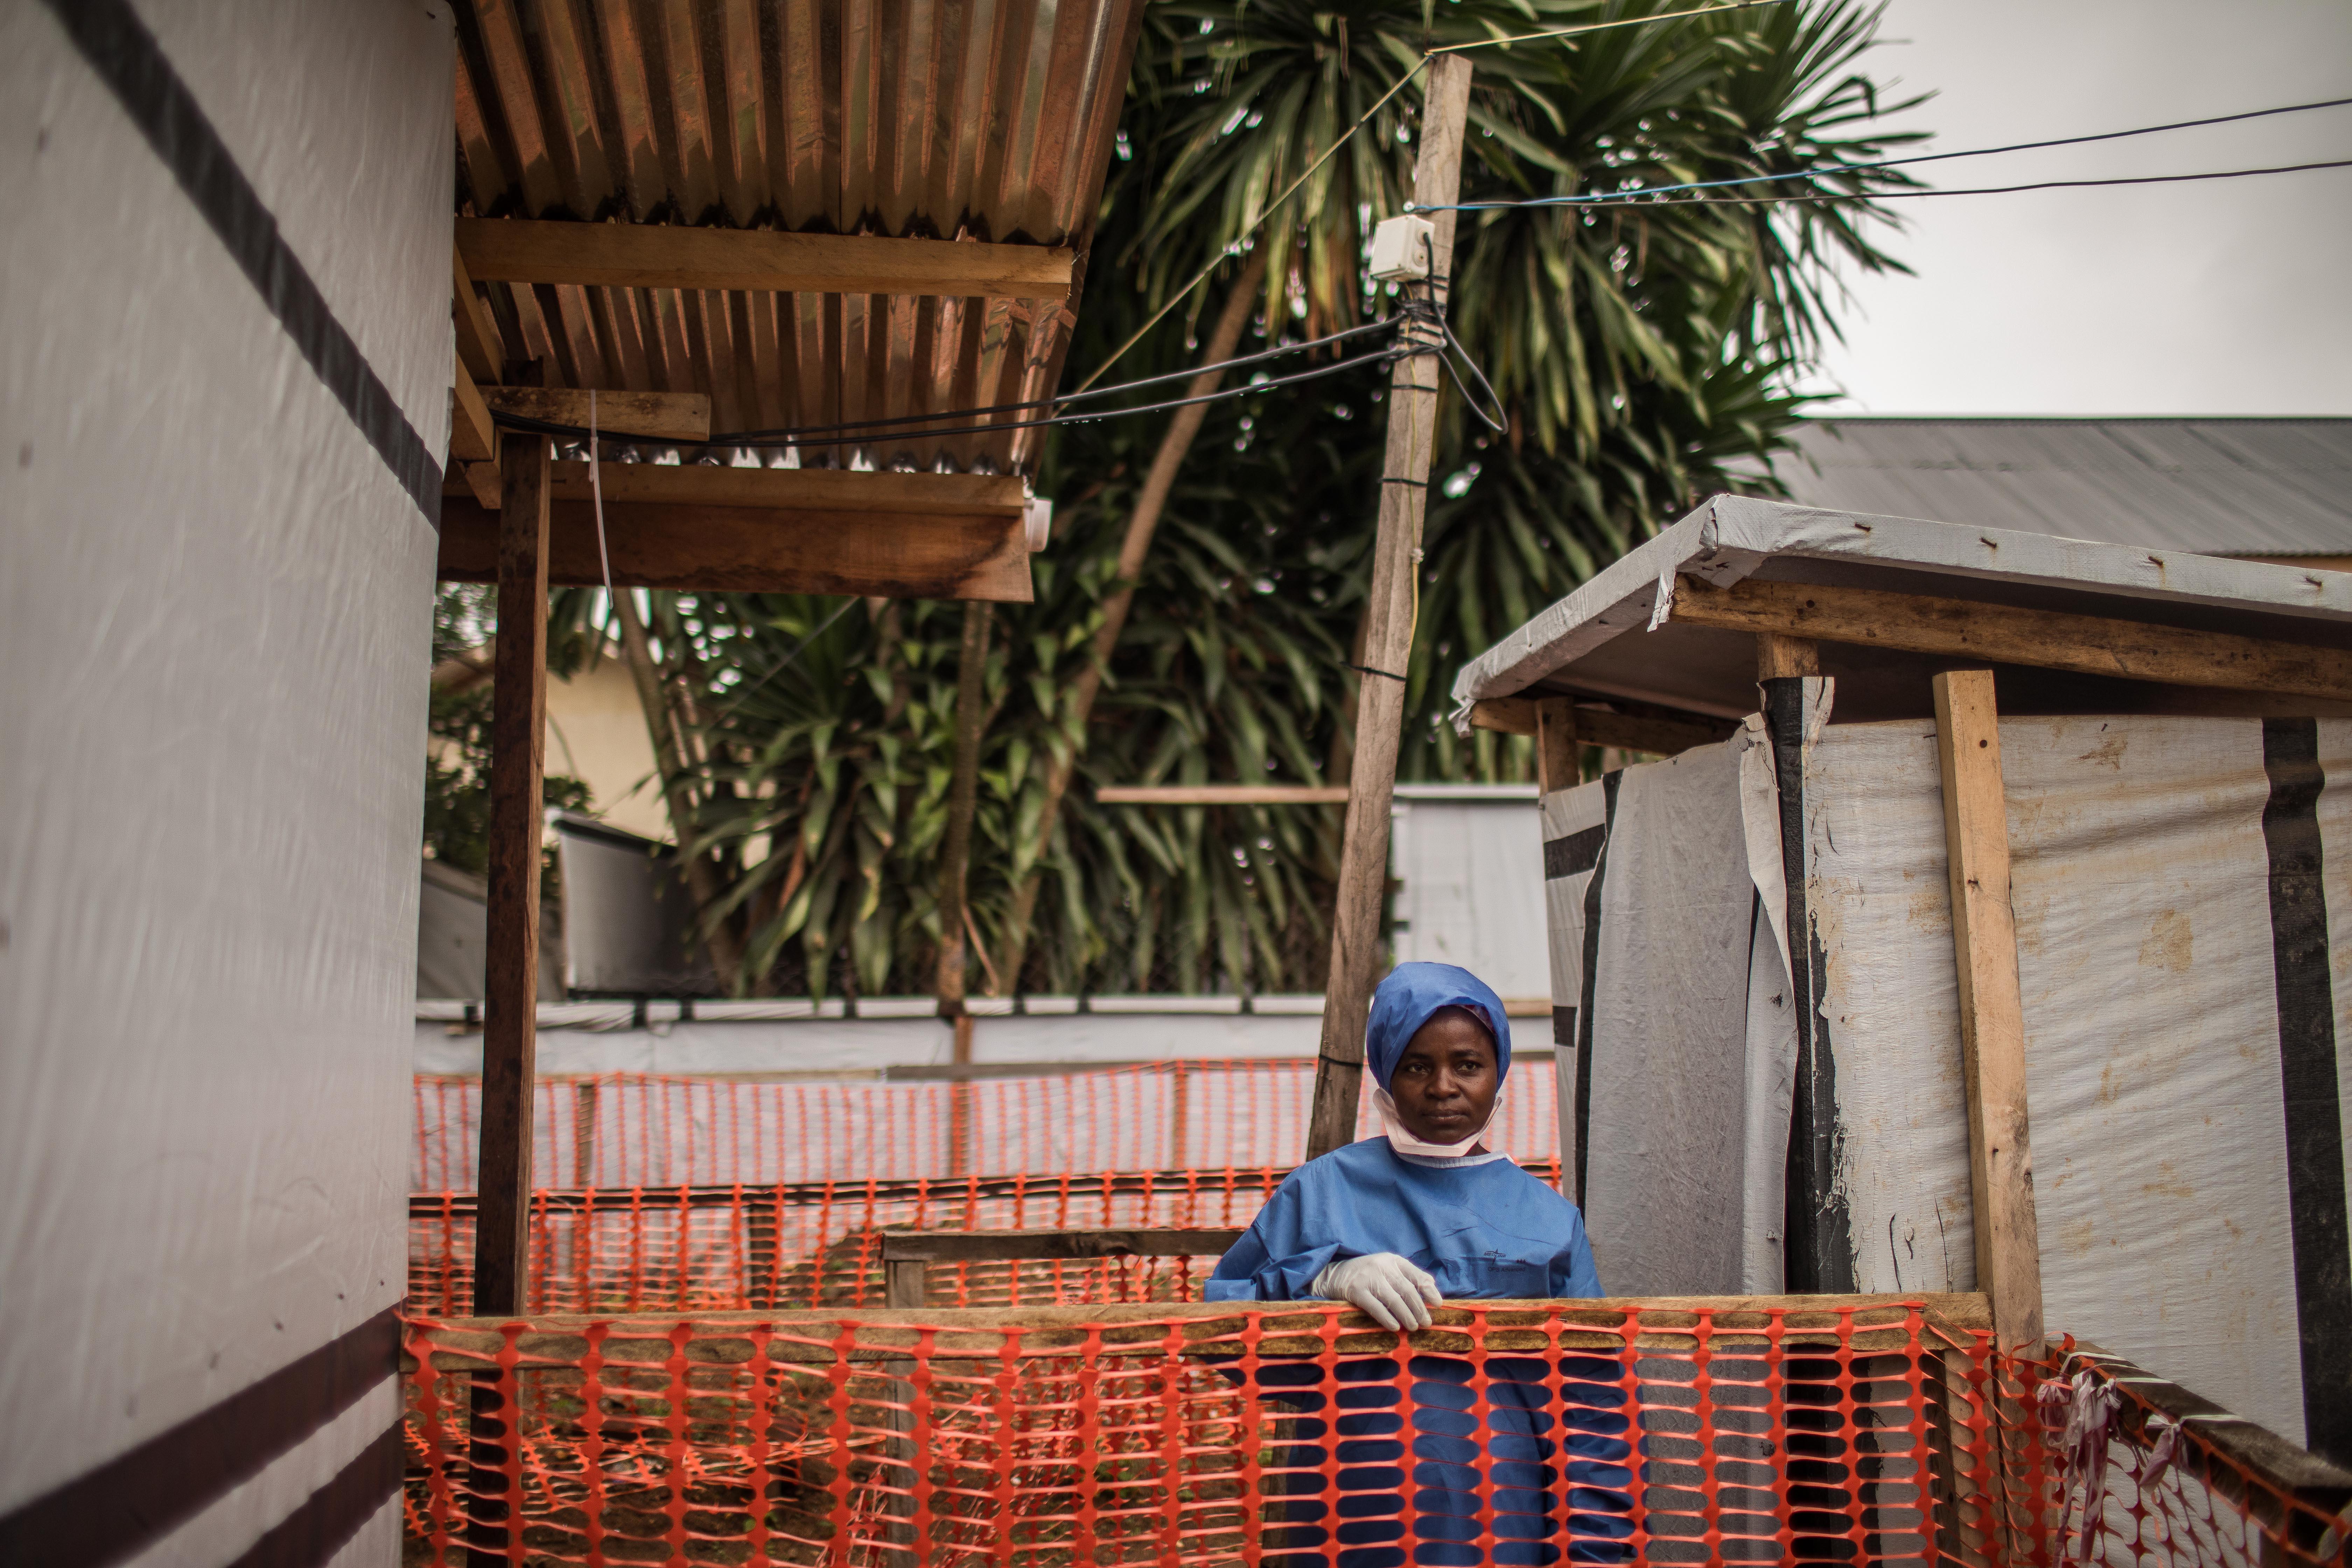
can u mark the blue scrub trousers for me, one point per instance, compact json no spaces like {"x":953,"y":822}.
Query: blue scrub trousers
{"x":1541,"y":1515}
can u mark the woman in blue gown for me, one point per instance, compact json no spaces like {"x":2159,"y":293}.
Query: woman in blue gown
{"x":1393,"y":1225}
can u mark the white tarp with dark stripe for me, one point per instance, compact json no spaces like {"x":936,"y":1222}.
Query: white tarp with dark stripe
{"x":2175,"y":881}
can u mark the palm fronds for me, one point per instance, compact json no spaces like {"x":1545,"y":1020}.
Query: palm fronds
{"x":1639,"y":349}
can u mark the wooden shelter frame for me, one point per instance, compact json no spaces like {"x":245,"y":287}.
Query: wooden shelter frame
{"x":2176,"y":667}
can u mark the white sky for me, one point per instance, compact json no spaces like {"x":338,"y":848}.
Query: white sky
{"x":2228,"y":297}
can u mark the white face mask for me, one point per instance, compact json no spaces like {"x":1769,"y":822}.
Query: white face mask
{"x":1404,"y":1142}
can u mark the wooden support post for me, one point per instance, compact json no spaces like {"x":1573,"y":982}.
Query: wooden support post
{"x":1993,"y":1014}
{"x":1560,"y":760}
{"x":584,"y":1113}
{"x":1388,"y":640}
{"x":763,"y":1214}
{"x":1780,"y":657}
{"x":904,"y":1282}
{"x":510,"y":988}
{"x":1179,"y":1116}
{"x":955,"y":862}
{"x":960,"y":1099}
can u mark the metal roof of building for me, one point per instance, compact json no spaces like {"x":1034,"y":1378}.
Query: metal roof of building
{"x":897,"y":118}
{"x":2219,"y":487}
{"x":1609,"y":639}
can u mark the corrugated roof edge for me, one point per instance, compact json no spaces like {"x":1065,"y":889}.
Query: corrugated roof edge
{"x":1728,"y":536}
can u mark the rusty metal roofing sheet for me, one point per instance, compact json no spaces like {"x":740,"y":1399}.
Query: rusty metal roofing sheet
{"x":2219,"y":487}
{"x":945,"y":119}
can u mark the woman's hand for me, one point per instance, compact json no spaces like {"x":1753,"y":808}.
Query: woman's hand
{"x":1393,"y":1290}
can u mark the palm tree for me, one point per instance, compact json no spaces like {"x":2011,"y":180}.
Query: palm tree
{"x":1194,"y":618}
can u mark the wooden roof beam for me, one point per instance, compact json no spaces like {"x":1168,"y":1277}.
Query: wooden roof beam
{"x":1222,"y":795}
{"x":620,"y":416}
{"x":2007,"y":634}
{"x":663,"y":256}
{"x":1602,"y":727}
{"x":901,"y":555}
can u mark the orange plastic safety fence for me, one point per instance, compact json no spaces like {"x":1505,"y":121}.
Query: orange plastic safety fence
{"x":700,"y":1193}
{"x":724,"y":1248}
{"x":1507,"y":1434}
{"x":2102,"y":1475}
{"x":632,"y":1129}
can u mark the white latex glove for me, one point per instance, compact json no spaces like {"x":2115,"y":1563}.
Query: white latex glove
{"x":1394,"y":1291}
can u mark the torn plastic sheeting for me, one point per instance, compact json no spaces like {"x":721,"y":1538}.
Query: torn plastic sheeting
{"x":2140,"y":881}
{"x":1682,"y":1092}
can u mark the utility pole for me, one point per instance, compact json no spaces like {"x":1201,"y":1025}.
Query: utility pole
{"x":1388,"y":638}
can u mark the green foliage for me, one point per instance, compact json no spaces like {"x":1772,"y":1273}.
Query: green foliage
{"x":458,"y":762}
{"x":1640,"y":351}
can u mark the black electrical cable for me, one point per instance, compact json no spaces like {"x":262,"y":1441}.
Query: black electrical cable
{"x":1962,"y":190}
{"x":1602,"y":197}
{"x":791,"y":438}
{"x":750,"y":438}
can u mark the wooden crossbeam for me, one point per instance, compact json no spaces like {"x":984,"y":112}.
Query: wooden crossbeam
{"x":1019,"y":1246}
{"x":811,"y":489}
{"x":479,"y":348}
{"x":919,"y":555}
{"x":2007,"y":634}
{"x":1601,"y":727}
{"x":808,"y":1337}
{"x":655,"y":415}
{"x":472,"y":438}
{"x":1222,"y":795}
{"x":664,"y":256}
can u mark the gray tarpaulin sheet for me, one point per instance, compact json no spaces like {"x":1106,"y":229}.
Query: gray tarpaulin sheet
{"x":2148,"y":959}
{"x":1682,"y":1045}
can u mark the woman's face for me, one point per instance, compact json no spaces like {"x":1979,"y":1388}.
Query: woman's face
{"x":1445,"y":1083}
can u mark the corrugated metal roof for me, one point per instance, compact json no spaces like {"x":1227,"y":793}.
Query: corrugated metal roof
{"x":1606,"y":639}
{"x":2219,"y":487}
{"x":985,"y":119}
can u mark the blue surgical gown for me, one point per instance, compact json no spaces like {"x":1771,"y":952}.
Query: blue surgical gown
{"x":1482,"y":1230}
{"x":1489,"y":1230}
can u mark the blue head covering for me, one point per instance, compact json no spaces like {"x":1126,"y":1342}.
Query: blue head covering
{"x":1405,"y":1001}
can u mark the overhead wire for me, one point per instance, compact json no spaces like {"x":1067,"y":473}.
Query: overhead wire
{"x":1602,"y":199}
{"x":1818,"y":196}
{"x":779,"y":438}
{"x":1570,"y":32}
{"x":1239,"y":362}
{"x":1233,"y":248}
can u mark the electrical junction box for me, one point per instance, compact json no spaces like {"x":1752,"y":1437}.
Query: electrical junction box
{"x":1401,"y":248}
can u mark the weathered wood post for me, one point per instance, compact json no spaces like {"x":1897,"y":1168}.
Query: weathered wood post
{"x":1992,"y":1056}
{"x":955,"y":868}
{"x":510,"y":979}
{"x":1388,"y":640}
{"x":510,"y":984}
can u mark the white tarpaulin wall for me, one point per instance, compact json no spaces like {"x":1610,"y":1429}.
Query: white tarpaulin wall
{"x":226,"y":355}
{"x":2149,"y":942}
